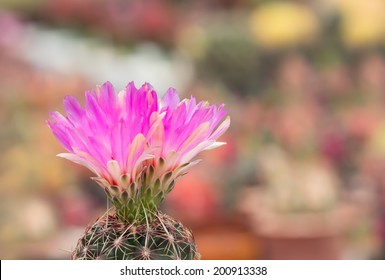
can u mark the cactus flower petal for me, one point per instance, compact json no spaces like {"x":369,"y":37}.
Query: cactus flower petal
{"x":130,"y":137}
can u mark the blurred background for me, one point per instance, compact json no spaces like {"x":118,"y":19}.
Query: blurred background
{"x":303,"y":173}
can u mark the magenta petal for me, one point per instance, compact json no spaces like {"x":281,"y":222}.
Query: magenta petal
{"x":125,"y":133}
{"x":95,"y":115}
{"x":170,"y":99}
{"x":74,"y":110}
{"x":59,"y":131}
{"x":108,"y":100}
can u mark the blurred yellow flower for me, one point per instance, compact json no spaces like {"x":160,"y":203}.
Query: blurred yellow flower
{"x":376,"y":143}
{"x":363,"y":22}
{"x":283,"y":24}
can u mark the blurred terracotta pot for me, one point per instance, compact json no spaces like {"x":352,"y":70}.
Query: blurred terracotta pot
{"x":226,"y":239}
{"x":302,"y":248}
{"x":304,"y":236}
{"x":317,"y":235}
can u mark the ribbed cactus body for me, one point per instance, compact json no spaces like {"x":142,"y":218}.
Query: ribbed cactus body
{"x":162,"y":238}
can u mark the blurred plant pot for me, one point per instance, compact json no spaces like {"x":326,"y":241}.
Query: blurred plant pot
{"x":302,"y":235}
{"x":305,"y":238}
{"x":226,"y":239}
{"x":297,"y":248}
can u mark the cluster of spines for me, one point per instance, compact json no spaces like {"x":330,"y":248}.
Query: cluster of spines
{"x":161,"y":238}
{"x":140,"y":203}
{"x":145,"y":193}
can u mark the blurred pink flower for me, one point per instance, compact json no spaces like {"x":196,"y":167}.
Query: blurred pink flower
{"x":130,"y":139}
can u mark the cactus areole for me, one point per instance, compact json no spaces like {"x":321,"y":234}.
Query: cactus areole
{"x":138,"y":147}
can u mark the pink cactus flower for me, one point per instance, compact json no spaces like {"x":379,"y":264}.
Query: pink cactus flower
{"x":131,"y":139}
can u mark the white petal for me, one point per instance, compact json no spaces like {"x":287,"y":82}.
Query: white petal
{"x":77,"y":159}
{"x":141,"y":159}
{"x":136,"y":146}
{"x":215,"y":145}
{"x":101,"y":181}
{"x":193,"y":152}
{"x":221,"y":129}
{"x":114,"y":169}
{"x":184,"y":169}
